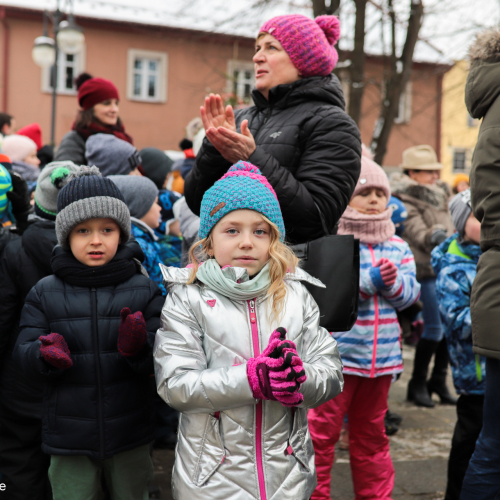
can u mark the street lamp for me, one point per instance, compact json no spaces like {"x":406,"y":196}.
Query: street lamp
{"x":69,"y":38}
{"x":44,"y":52}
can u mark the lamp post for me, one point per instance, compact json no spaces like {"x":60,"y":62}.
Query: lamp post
{"x":69,"y":38}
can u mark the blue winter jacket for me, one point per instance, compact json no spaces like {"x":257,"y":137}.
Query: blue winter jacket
{"x":455,"y":266}
{"x":156,"y":251}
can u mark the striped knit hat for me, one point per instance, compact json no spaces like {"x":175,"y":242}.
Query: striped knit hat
{"x":88,"y":195}
{"x":309,"y":43}
{"x":5,"y":187}
{"x":52,"y":179}
{"x":242,"y":187}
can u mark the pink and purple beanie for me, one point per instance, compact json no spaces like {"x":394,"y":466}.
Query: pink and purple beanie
{"x":242,"y":187}
{"x":309,"y":43}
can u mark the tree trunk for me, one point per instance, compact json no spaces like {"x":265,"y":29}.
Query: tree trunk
{"x":320,"y":7}
{"x":400,"y":74}
{"x":357,"y":68}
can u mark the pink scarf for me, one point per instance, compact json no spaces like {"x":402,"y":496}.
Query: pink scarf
{"x":367,"y":228}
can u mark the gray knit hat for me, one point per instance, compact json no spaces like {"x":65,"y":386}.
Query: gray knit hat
{"x":111,"y":155}
{"x":88,"y":195}
{"x":51,"y":180}
{"x":139,"y":192}
{"x":460,"y":210}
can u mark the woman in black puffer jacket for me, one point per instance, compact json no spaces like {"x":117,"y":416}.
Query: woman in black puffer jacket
{"x":297,"y":132}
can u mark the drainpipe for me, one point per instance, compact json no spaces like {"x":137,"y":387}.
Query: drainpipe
{"x":439,"y":115}
{"x":6,"y":38}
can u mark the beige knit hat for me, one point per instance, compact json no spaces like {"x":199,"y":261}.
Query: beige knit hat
{"x":420,"y":158}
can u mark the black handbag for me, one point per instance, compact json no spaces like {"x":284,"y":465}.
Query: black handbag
{"x":334,"y":260}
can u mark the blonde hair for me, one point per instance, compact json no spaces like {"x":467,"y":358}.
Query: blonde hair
{"x":281,"y":260}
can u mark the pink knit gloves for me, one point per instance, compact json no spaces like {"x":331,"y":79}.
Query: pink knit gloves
{"x":55,"y":351}
{"x":278,"y":372}
{"x":132,"y":333}
{"x":388,"y":271}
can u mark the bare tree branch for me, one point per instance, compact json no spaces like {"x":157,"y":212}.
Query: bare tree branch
{"x":357,"y":68}
{"x":321,"y":8}
{"x":400,"y":74}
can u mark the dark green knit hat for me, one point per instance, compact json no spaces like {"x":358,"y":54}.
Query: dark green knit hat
{"x":88,"y":195}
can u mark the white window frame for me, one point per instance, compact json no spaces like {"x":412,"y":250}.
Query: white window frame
{"x":405,"y":103}
{"x":162,"y":58}
{"x":79,"y":68}
{"x":241,"y":67}
{"x":467,"y":160}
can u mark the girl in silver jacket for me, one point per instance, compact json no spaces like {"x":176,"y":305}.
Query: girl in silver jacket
{"x":240,"y":352}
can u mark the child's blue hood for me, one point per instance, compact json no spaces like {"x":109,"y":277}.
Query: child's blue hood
{"x":441,"y":257}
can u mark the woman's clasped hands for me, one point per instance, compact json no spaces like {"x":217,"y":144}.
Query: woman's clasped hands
{"x":220,"y":129}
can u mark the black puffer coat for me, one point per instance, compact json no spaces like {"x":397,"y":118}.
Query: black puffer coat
{"x":104,"y":403}
{"x":24,"y":262}
{"x":308,"y":148}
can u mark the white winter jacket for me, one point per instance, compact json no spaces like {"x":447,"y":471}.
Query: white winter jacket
{"x":230,"y":445}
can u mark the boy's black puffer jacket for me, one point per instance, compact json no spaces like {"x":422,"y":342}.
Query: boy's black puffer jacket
{"x":308,"y":148}
{"x":104,"y":403}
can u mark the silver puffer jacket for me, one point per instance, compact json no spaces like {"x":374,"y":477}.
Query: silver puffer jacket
{"x":230,"y":445}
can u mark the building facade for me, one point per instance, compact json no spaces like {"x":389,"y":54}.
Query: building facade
{"x":459,"y":129}
{"x":163,"y":75}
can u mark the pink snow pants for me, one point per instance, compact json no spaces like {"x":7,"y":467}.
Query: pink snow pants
{"x":365,"y":402}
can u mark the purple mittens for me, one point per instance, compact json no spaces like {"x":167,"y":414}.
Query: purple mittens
{"x":132,"y":333}
{"x":277,"y":373}
{"x":55,"y":351}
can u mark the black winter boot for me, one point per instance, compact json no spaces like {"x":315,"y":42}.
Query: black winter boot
{"x":437,"y":383}
{"x":417,"y":387}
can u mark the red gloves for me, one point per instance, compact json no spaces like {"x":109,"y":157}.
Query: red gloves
{"x":278,"y":372}
{"x":388,"y":271}
{"x":55,"y":351}
{"x":132,"y":333}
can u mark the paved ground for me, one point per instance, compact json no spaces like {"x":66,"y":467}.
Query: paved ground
{"x":419,"y":450}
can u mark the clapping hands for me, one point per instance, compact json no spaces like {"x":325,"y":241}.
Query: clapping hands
{"x":220,"y":129}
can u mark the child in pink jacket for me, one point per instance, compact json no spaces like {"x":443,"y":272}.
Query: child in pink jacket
{"x":371,"y":350}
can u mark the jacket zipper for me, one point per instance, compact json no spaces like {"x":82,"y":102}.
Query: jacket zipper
{"x":98,"y":372}
{"x":375,"y":329}
{"x":258,"y":409}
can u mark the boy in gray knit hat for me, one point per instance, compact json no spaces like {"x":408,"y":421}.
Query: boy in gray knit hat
{"x":88,"y":332}
{"x":141,"y":197}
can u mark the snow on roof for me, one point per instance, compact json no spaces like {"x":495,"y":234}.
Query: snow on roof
{"x":448,"y":28}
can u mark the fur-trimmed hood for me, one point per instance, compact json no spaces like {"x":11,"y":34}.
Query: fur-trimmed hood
{"x":403,"y":186}
{"x":483,"y":81}
{"x":486,"y":46}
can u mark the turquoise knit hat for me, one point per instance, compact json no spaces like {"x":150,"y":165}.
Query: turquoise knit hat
{"x":242,"y":187}
{"x":5,"y":187}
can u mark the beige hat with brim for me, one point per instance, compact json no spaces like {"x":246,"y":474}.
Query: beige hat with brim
{"x":420,"y":158}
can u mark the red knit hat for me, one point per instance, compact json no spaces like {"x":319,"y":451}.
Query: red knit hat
{"x":34,"y":132}
{"x":92,"y":91}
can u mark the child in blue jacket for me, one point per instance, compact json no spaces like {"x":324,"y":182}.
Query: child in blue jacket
{"x":141,"y":197}
{"x":454,"y":262}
